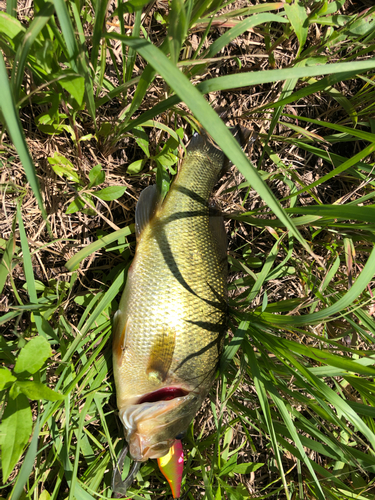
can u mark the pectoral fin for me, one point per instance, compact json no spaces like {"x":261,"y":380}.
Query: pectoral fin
{"x":120,"y":337}
{"x":161,"y":355}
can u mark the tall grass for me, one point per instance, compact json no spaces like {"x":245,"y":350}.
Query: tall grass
{"x":293,"y":416}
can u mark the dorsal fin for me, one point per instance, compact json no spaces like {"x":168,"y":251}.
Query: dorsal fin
{"x":146,"y":208}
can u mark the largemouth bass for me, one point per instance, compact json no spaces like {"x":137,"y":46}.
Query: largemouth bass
{"x":168,"y":331}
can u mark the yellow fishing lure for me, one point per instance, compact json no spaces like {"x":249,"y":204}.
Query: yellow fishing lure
{"x":171,"y":466}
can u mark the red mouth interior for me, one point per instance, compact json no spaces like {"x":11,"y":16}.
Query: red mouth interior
{"x":165,"y":394}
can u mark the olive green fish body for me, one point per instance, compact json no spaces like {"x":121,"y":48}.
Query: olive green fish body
{"x":171,"y":319}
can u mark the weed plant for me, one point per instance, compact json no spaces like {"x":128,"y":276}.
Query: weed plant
{"x":96,"y":98}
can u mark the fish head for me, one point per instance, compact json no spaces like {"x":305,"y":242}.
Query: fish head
{"x":153,"y":424}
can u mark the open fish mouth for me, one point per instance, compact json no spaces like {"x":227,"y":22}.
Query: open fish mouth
{"x":164,"y":394}
{"x":153,"y":423}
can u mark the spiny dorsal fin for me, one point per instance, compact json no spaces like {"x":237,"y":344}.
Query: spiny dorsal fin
{"x":146,"y":208}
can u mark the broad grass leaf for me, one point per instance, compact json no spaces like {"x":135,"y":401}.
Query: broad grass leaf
{"x":350,"y":212}
{"x":229,"y":465}
{"x":247,"y":468}
{"x":11,"y":6}
{"x":75,"y":85}
{"x":238,"y":493}
{"x":100,"y":14}
{"x":132,"y":54}
{"x":134,"y":5}
{"x":142,"y":140}
{"x":75,"y":206}
{"x":63,"y":167}
{"x":11,"y":27}
{"x":36,"y":390}
{"x":15,"y":430}
{"x":363,"y":26}
{"x":77,"y":56}
{"x":167,"y":159}
{"x":231,"y":349}
{"x":297,"y":16}
{"x":136,"y":167}
{"x":96,"y":176}
{"x":218,"y":493}
{"x":333,"y":7}
{"x":6,"y":378}
{"x":111,"y":193}
{"x":110,"y":294}
{"x":32,"y":356}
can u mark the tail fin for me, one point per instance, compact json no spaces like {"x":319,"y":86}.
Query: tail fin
{"x":243,"y":135}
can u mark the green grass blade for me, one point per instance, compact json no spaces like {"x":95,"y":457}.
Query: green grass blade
{"x":27,"y":465}
{"x":352,"y":132}
{"x":74,"y":262}
{"x":82,"y":60}
{"x":99,"y":27}
{"x":29,"y":272}
{"x":262,"y":276}
{"x":234,"y":345}
{"x":29,"y":38}
{"x":11,"y":7}
{"x":111,"y":293}
{"x":10,"y":117}
{"x":263,"y":399}
{"x":341,"y":168}
{"x":347,"y":212}
{"x":6,"y":260}
{"x":67,"y":31}
{"x":240,"y":28}
{"x":130,"y":60}
{"x":346,"y":301}
{"x":74,"y":480}
{"x":295,"y":437}
{"x":345,"y":70}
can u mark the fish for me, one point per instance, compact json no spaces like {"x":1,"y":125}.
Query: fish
{"x":172,"y":317}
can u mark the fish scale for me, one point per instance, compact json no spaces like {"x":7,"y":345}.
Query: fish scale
{"x":169,"y":328}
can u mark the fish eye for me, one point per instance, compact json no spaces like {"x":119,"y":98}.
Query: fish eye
{"x":181,"y":435}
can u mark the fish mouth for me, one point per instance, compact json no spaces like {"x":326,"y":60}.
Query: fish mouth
{"x":164,"y":394}
{"x":154,"y":422}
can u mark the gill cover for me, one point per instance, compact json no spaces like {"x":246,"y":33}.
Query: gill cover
{"x":152,"y":427}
